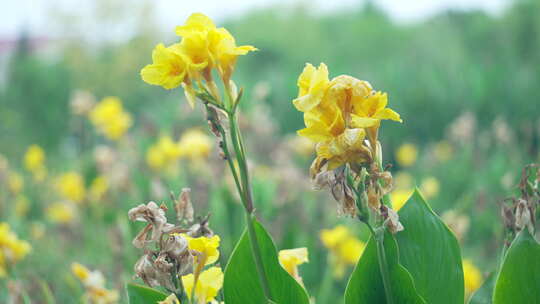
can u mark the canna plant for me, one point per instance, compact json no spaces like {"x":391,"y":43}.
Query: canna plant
{"x":411,"y":256}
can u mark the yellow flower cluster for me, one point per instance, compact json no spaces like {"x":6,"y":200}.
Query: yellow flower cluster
{"x":110,"y":119}
{"x":70,"y":186}
{"x":203,"y":284}
{"x":339,"y":114}
{"x":202,"y":48}
{"x":94,"y":283}
{"x":12,"y":249}
{"x":290,"y":259}
{"x":345,"y":248}
{"x":34,"y":162}
{"x":472,"y":276}
{"x":194,"y":144}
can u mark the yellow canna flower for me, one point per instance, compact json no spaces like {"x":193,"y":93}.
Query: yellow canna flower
{"x":71,"y":186}
{"x":195,"y":144}
{"x":290,"y":259}
{"x":80,"y":271}
{"x":351,"y":250}
{"x":372,"y":110}
{"x":332,"y":238}
{"x":61,"y":213}
{"x":345,"y":249}
{"x":110,"y":119}
{"x":15,"y":182}
{"x":472,"y":277}
{"x":312,"y":85}
{"x":171,"y":299}
{"x":12,"y":249}
{"x":338,"y":115}
{"x":168,"y":68}
{"x":207,"y":247}
{"x":406,"y":155}
{"x":98,"y":188}
{"x":34,"y":161}
{"x":207,"y":46}
{"x":399,"y":197}
{"x":430,"y":187}
{"x":209,"y":283}
{"x":94,"y":283}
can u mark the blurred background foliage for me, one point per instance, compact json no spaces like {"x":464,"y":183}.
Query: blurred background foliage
{"x":465,"y":83}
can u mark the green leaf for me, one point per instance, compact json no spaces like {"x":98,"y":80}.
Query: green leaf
{"x":139,"y":294}
{"x":430,"y":252}
{"x":242,"y":284}
{"x":365,"y":284}
{"x":484,"y":294}
{"x":519,"y":278}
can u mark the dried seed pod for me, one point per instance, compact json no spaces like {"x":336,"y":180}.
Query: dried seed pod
{"x":184,"y":207}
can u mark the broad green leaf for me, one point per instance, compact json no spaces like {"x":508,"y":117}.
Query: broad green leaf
{"x":484,"y":294}
{"x":430,"y":252}
{"x":519,"y":278}
{"x":242,"y":284}
{"x":139,"y":294}
{"x":365,"y":284}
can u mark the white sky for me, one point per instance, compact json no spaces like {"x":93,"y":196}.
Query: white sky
{"x":35,"y":14}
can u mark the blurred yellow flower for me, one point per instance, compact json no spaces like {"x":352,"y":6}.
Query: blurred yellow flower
{"x":94,"y":283}
{"x":207,"y":247}
{"x":345,"y":249}
{"x":403,"y":180}
{"x":351,"y":250}
{"x":209,"y":283}
{"x":98,"y":188}
{"x":472,"y":276}
{"x":195,"y":144}
{"x":406,"y":155}
{"x":399,"y":197}
{"x":443,"y":151}
{"x":110,"y":119}
{"x":22,"y":205}
{"x":61,"y":213}
{"x":429,"y":187}
{"x":290,"y":259}
{"x":331,"y":238}
{"x":12,"y":249}
{"x":70,"y":186}
{"x":15,"y":182}
{"x":34,"y":162}
{"x":163,"y":154}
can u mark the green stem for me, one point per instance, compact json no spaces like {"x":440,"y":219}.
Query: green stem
{"x":326,"y":285}
{"x":257,"y":256}
{"x":245,"y":194}
{"x":383,"y":266}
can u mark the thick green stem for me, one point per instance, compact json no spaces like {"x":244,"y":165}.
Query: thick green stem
{"x":383,"y":266}
{"x":257,"y":256}
{"x":245,"y":194}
